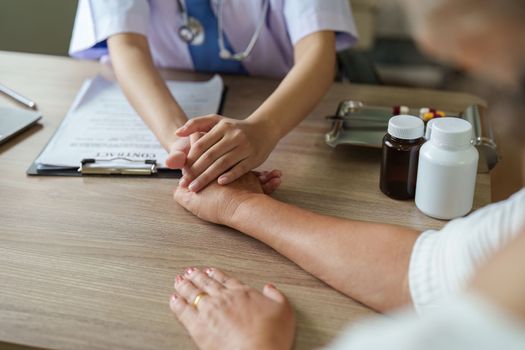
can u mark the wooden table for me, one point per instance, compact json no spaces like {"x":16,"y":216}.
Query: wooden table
{"x":88,"y":263}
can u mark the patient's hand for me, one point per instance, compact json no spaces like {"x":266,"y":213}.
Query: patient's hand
{"x":220,"y":312}
{"x":216,"y":203}
{"x":179,"y":149}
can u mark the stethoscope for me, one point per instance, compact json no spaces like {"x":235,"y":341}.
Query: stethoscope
{"x":192,"y":31}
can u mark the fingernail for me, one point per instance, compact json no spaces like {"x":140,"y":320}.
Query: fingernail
{"x":223,"y":180}
{"x":184,"y":127}
{"x":178,"y":279}
{"x":183,"y":182}
{"x":193,"y":186}
{"x":174,"y":297}
{"x":208,"y":271}
{"x":190,"y":270}
{"x":269,"y":285}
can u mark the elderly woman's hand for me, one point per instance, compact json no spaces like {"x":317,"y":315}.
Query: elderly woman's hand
{"x":218,"y":203}
{"x":220,"y":312}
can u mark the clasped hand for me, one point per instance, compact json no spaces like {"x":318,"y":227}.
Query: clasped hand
{"x":225,"y":150}
{"x":218,"y":204}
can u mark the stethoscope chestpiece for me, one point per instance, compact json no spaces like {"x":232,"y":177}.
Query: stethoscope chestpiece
{"x":192,"y":32}
{"x":186,"y":34}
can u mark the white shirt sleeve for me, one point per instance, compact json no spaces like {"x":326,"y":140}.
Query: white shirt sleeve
{"x":304,"y":17}
{"x":97,"y":20}
{"x":444,"y":261}
{"x":463,"y":322}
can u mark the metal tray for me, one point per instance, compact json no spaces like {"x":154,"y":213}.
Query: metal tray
{"x":358,"y":124}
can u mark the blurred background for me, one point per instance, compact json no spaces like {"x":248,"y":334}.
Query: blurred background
{"x":385,"y":55}
{"x":36,"y":26}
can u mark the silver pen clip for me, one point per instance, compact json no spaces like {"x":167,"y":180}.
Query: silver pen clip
{"x":117,"y":166}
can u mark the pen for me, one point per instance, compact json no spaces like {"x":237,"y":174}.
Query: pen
{"x":17,"y":97}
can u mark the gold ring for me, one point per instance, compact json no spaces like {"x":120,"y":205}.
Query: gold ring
{"x":198,"y":298}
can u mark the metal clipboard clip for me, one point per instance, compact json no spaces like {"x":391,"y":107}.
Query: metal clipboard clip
{"x":117,"y":166}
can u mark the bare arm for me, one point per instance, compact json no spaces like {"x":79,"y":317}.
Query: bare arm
{"x":145,"y":89}
{"x":232,"y":147}
{"x":366,"y":261}
{"x":303,"y":87}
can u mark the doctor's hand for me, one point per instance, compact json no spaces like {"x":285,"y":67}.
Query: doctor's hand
{"x":217,"y":203}
{"x":229,"y":149}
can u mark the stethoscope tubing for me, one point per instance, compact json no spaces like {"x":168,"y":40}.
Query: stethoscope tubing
{"x":223,"y":51}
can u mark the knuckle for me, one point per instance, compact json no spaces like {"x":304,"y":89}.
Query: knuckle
{"x":215,"y":273}
{"x":223,"y":163}
{"x":230,"y":299}
{"x":230,"y":282}
{"x":239,"y":135}
{"x":185,"y":285}
{"x":183,"y":311}
{"x":198,"y":148}
{"x":227,"y":124}
{"x":201,"y":279}
{"x":239,"y":170}
{"x":211,"y":306}
{"x":205,"y":178}
{"x":243,"y":138}
{"x":208,"y":309}
{"x":210,"y":156}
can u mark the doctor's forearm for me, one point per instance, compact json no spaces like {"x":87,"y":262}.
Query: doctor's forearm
{"x":366,"y":261}
{"x":303,"y":87}
{"x":144,"y":87}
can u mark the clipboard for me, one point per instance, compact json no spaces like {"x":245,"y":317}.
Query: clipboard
{"x":150,"y":169}
{"x":106,"y":167}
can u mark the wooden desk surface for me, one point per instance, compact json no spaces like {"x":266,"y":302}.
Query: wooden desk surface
{"x":88,"y":263}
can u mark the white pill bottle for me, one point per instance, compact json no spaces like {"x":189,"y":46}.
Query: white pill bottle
{"x":448,"y":163}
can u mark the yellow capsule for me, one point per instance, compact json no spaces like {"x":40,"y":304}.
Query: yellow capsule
{"x":427,"y":116}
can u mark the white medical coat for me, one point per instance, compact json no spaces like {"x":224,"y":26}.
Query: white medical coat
{"x":287,"y":22}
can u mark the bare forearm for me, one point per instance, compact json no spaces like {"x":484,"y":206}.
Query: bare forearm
{"x":366,"y":261}
{"x":144,"y":87}
{"x":303,"y":87}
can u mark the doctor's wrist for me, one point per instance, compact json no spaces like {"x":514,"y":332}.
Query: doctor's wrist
{"x":266,"y":126}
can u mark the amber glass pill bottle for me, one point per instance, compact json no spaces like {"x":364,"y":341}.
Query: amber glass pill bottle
{"x":400,"y":156}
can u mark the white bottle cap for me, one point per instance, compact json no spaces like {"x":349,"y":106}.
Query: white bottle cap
{"x":406,"y":127}
{"x":428,"y":130}
{"x":453,"y":132}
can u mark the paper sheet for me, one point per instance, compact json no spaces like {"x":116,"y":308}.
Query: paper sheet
{"x":101,"y":124}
